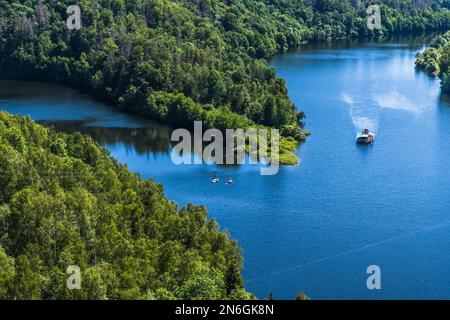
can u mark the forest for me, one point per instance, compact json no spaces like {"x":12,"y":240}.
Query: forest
{"x":435,"y":60}
{"x":180,"y":61}
{"x":64,"y":201}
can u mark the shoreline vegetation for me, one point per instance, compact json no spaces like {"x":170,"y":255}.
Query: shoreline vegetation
{"x":178,"y":62}
{"x":435,"y":60}
{"x":64,"y":201}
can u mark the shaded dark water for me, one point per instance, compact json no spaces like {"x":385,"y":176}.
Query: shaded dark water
{"x":318,"y":226}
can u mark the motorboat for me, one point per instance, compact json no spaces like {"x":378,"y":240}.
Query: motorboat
{"x":365,"y":137}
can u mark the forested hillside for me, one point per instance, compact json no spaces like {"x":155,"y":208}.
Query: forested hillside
{"x":435,"y":60}
{"x":64,"y":201}
{"x":186,"y":60}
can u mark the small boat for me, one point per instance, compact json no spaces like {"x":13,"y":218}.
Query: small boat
{"x":229,"y":180}
{"x":365,"y":137}
{"x":215,"y":178}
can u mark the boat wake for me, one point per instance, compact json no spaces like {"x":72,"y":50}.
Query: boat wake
{"x":365,"y":111}
{"x":397,"y":101}
{"x":362,"y":115}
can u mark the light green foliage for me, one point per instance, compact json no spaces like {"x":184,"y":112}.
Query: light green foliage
{"x":301,"y":296}
{"x":241,"y":294}
{"x":59,"y":147}
{"x":435,"y":60}
{"x":7,"y":274}
{"x":205,"y":284}
{"x":65,"y":201}
{"x":14,"y":138}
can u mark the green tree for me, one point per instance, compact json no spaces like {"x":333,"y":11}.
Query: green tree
{"x":206,"y":284}
{"x":301,"y":296}
{"x":7,"y":275}
{"x":66,"y":201}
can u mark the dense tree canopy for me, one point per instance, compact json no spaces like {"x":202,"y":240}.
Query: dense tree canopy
{"x":435,"y":60}
{"x":64,"y":201}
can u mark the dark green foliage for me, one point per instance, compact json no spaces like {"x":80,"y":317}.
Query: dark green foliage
{"x":173,"y":61}
{"x":429,"y":61}
{"x":302,"y":297}
{"x":64,"y":201}
{"x":435,"y":60}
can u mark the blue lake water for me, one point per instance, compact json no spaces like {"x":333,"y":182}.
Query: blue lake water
{"x":315,"y":227}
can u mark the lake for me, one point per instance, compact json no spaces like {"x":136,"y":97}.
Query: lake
{"x":315,"y":227}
